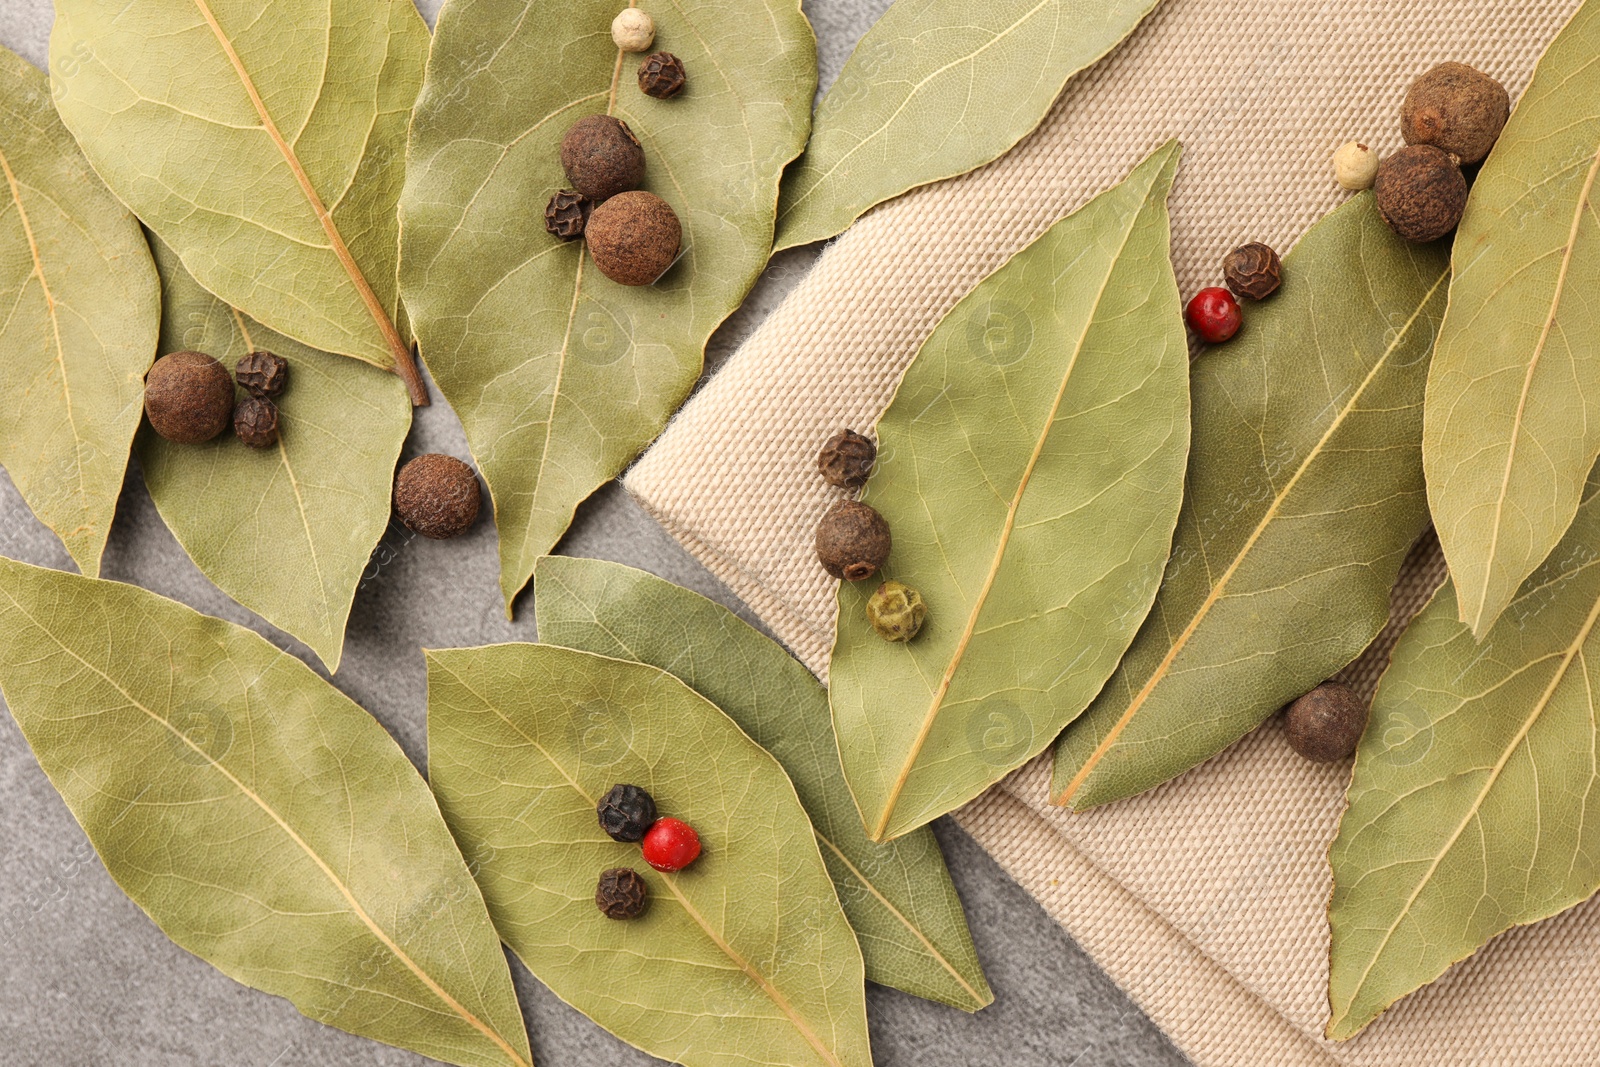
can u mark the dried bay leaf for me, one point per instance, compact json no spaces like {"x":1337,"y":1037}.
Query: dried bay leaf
{"x":1468,"y":811}
{"x":560,"y":375}
{"x":264,"y":141}
{"x":897,"y":896}
{"x":287,"y":531}
{"x":264,"y":821}
{"x":937,"y":88}
{"x":1304,"y":495}
{"x":1513,"y":413}
{"x":1031,"y":467}
{"x":742,"y":958}
{"x":80,"y":330}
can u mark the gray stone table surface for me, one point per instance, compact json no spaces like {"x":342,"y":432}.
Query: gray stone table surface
{"x":86,"y":978}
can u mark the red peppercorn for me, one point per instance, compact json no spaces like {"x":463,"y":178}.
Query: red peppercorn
{"x":671,"y":845}
{"x":1214,"y":314}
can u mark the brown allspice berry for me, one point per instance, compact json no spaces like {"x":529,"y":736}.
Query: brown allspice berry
{"x":1456,"y":109}
{"x":602,"y":157}
{"x":256,"y":422}
{"x":1421,"y":193}
{"x":634,"y":237}
{"x":621,"y":894}
{"x":262,"y":373}
{"x":567,"y":214}
{"x":188,"y":397}
{"x":1326,"y":724}
{"x":846,"y":460}
{"x":1253,"y":270}
{"x":662,"y":76}
{"x":437,"y":496}
{"x":853,"y":541}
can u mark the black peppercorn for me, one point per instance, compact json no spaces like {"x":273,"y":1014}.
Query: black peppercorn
{"x":262,"y":373}
{"x":188,"y":397}
{"x":437,"y":496}
{"x":661,"y":75}
{"x":567,"y":214}
{"x":634,"y":237}
{"x":1253,"y":270}
{"x":1421,"y":192}
{"x":1326,"y":724}
{"x":846,"y":460}
{"x":852,"y":541}
{"x":602,"y":157}
{"x":256,"y":422}
{"x":621,"y":894}
{"x":626,"y":813}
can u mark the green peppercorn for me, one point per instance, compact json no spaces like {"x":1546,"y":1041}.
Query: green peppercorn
{"x":896,"y":611}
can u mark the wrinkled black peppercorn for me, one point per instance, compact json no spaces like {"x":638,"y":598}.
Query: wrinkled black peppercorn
{"x":1326,"y":724}
{"x":262,"y":373}
{"x":256,"y":422}
{"x":852,"y":541}
{"x":621,"y":894}
{"x":846,"y":460}
{"x":1253,"y":270}
{"x":567,"y":214}
{"x":188,"y":397}
{"x":626,"y":813}
{"x":661,"y":75}
{"x":437,"y":496}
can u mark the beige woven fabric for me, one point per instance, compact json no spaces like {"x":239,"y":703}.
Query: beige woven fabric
{"x":1204,"y":899}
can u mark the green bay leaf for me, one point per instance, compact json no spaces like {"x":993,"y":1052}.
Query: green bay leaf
{"x":560,"y":375}
{"x":80,"y":329}
{"x":1031,"y":468}
{"x":286,"y":531}
{"x":1468,"y":809}
{"x":264,"y":141}
{"x":1513,"y":413}
{"x":264,"y":821}
{"x":937,"y":88}
{"x":897,"y":896}
{"x":1304,"y":495}
{"x":743,"y":958}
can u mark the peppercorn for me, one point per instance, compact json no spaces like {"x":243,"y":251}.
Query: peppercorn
{"x":1421,"y":193}
{"x":567,"y":214}
{"x":896,"y":611}
{"x":1457,"y":109}
{"x":634,"y":237}
{"x":1214,"y":314}
{"x":626,"y":813}
{"x":1326,"y":724}
{"x":262,"y":373}
{"x":846,"y":460}
{"x":602,"y":157}
{"x":256,"y":422}
{"x":188,"y":397}
{"x":437,"y":496}
{"x":1355,"y":166}
{"x":670,"y":845}
{"x":852,"y":541}
{"x":633,"y":30}
{"x":621,"y":894}
{"x":662,"y":76}
{"x":1253,"y":270}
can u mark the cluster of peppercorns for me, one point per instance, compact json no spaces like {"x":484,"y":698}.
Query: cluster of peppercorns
{"x":437,"y":496}
{"x":628,"y":814}
{"x":1452,"y":117}
{"x":1253,"y":270}
{"x":189,"y":397}
{"x":634,"y":236}
{"x":1326,"y":724}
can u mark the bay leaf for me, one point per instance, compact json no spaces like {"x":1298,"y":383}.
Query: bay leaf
{"x":264,"y":822}
{"x":937,"y":88}
{"x":742,"y":958}
{"x":1031,"y":468}
{"x":1468,"y":810}
{"x":1513,"y":414}
{"x":897,"y":896}
{"x":1304,"y":494}
{"x":80,"y":329}
{"x":286,"y":531}
{"x":264,"y":141}
{"x":560,"y":375}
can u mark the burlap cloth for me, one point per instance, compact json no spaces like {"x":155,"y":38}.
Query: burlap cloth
{"x":1204,"y":899}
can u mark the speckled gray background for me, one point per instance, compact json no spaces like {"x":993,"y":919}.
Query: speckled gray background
{"x":86,"y":978}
